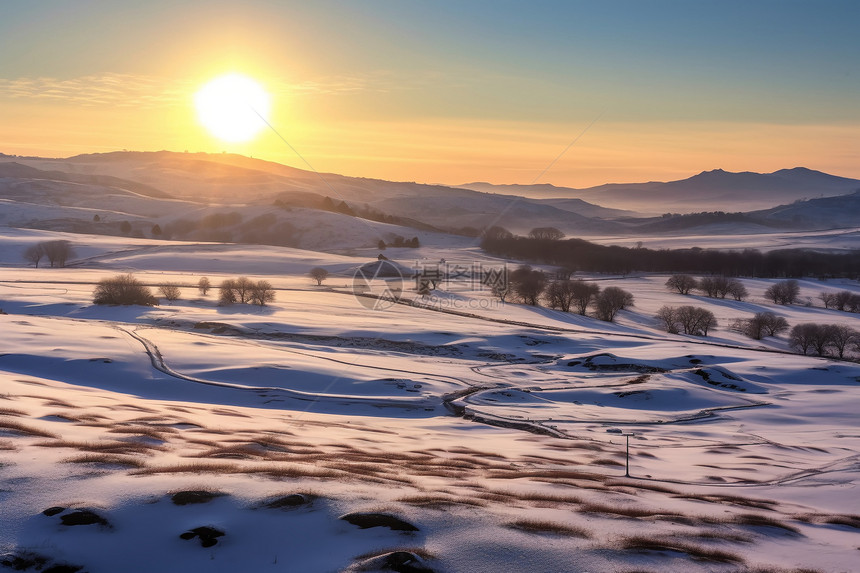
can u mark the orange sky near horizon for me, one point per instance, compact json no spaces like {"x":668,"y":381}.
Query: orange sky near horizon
{"x":447,"y":92}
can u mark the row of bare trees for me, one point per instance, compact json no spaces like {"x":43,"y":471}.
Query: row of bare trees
{"x":844,"y":300}
{"x":693,"y":320}
{"x":57,"y":253}
{"x":824,"y":339}
{"x":531,"y":286}
{"x":245,"y":291}
{"x":785,"y":292}
{"x":713,"y":287}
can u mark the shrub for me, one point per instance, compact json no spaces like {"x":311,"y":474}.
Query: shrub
{"x":124,"y":290}
{"x":170,"y":291}
{"x":319,"y":274}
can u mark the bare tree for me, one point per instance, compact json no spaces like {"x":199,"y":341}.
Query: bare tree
{"x":261,"y":293}
{"x":34,"y":254}
{"x":774,"y":325}
{"x":611,"y":301}
{"x":840,"y":337}
{"x":584,"y":294}
{"x":227,"y":292}
{"x":560,"y":295}
{"x":203,"y":285}
{"x":783,"y":292}
{"x":546,"y":233}
{"x":802,"y":335}
{"x":319,"y":274}
{"x":500,"y":289}
{"x":682,"y":283}
{"x":668,"y":316}
{"x":709,"y":286}
{"x":58,"y":252}
{"x":170,"y":291}
{"x":123,"y":289}
{"x":693,"y":320}
{"x":242,"y":288}
{"x":696,"y":320}
{"x":737,"y":290}
{"x":528,"y":284}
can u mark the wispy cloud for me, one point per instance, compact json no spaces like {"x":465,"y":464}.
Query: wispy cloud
{"x":119,"y":90}
{"x":136,"y":91}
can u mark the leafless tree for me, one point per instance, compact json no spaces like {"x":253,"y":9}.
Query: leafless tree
{"x":227,"y":292}
{"x":560,"y":294}
{"x":668,"y":316}
{"x":841,"y":337}
{"x":261,"y":293}
{"x":319,"y":274}
{"x":611,"y":301}
{"x":203,"y":285}
{"x":170,"y":291}
{"x":737,"y":290}
{"x":783,"y":292}
{"x":242,"y":288}
{"x":34,"y":254}
{"x":58,"y":252}
{"x":584,"y":294}
{"x":528,"y":284}
{"x":693,"y":320}
{"x":696,"y":320}
{"x":682,"y":283}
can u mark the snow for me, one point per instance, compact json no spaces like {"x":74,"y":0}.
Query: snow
{"x":455,"y":413}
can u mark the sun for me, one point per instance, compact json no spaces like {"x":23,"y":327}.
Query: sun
{"x":233,"y":107}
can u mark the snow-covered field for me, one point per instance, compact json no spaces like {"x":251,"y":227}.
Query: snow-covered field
{"x":325,"y":433}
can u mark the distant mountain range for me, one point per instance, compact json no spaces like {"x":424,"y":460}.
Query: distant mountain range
{"x":177,"y":191}
{"x":715,"y":190}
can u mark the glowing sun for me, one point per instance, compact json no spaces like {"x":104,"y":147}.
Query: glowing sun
{"x":233,"y":107}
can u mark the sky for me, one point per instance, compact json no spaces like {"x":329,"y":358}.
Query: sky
{"x":571,"y":93}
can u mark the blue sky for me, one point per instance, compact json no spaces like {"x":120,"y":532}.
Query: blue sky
{"x":778,"y":63}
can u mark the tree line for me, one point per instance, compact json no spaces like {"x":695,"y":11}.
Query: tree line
{"x":582,"y":255}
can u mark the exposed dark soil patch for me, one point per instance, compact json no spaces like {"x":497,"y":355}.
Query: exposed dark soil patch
{"x":368,"y":520}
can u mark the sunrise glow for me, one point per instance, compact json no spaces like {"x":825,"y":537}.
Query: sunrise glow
{"x":233,"y":107}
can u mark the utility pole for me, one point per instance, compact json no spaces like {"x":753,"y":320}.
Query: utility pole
{"x":627,"y":471}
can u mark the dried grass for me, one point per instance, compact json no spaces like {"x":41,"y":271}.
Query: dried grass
{"x":551,"y":527}
{"x":664,"y":543}
{"x":106,"y":459}
{"x":24,"y":429}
